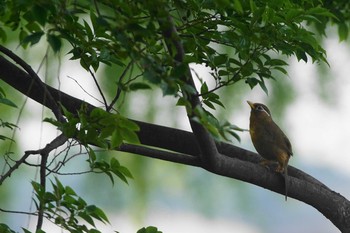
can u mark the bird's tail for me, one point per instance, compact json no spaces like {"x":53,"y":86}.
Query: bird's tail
{"x":286,"y":180}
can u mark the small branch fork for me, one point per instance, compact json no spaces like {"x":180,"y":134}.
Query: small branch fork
{"x":58,"y":141}
{"x":44,"y":152}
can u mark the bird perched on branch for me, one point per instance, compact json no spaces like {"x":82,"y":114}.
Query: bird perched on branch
{"x":269,"y":140}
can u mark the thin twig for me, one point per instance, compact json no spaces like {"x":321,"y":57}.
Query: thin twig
{"x":119,"y":90}
{"x":58,"y":141}
{"x":14,"y":167}
{"x":86,"y":92}
{"x":41,"y":209}
{"x":99,"y":88}
{"x":18,"y":212}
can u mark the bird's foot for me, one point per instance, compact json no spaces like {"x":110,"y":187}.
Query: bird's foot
{"x":265,"y":163}
{"x":280,"y":169}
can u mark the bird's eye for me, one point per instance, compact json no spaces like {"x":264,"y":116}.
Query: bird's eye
{"x":260,"y":108}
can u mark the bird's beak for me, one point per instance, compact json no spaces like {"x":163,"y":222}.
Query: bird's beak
{"x":251,"y":104}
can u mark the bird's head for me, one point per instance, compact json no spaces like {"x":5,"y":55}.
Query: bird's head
{"x":259,"y":110}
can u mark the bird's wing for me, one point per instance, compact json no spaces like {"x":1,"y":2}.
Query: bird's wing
{"x":288,"y":145}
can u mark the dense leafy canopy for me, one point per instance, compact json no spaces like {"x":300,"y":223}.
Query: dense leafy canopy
{"x":238,"y":40}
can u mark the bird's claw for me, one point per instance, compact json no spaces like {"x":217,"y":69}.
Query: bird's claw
{"x":265,"y":163}
{"x":279,"y":169}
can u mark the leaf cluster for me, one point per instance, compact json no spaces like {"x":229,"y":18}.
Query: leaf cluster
{"x":103,"y":129}
{"x":4,"y":124}
{"x":340,"y":9}
{"x":65,"y":208}
{"x":98,"y":127}
{"x":239,"y":40}
{"x":115,"y":32}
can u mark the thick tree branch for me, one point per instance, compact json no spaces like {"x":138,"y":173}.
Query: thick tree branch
{"x":233,"y":162}
{"x":35,"y":78}
{"x":175,"y":47}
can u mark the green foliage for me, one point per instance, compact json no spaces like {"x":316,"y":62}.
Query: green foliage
{"x":114,"y":33}
{"x":340,"y":9}
{"x":110,"y":169}
{"x":5,"y":229}
{"x":103,"y":129}
{"x":98,"y":127}
{"x":217,"y":129}
{"x":65,"y":208}
{"x":149,"y":229}
{"x":4,"y":124}
{"x":4,"y":100}
{"x":253,"y":32}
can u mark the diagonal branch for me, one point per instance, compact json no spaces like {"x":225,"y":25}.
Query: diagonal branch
{"x":175,"y":47}
{"x":35,"y":78}
{"x":58,"y":141}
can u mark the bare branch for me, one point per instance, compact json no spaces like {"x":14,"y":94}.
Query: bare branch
{"x":60,"y":140}
{"x":14,"y":167}
{"x":18,"y":212}
{"x":119,"y":90}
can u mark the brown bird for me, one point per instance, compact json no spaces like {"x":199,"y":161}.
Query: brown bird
{"x":269,"y":140}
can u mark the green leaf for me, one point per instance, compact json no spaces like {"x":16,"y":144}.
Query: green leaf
{"x":301,"y":55}
{"x":182,"y":102}
{"x":24,"y":230}
{"x":3,"y":35}
{"x":149,"y":229}
{"x":88,"y":30}
{"x":280,"y":69}
{"x":3,"y":138}
{"x":209,"y":104}
{"x":128,"y":124}
{"x":125,"y":171}
{"x":321,"y":11}
{"x":87,"y":218}
{"x":70,"y":191}
{"x":6,"y":229}
{"x":116,"y":139}
{"x":263,"y":86}
{"x":276,"y":62}
{"x":130,"y":136}
{"x":220,"y":59}
{"x":204,"y":88}
{"x":33,"y":38}
{"x":343,"y":31}
{"x":55,"y":42}
{"x":97,"y":213}
{"x":7,"y":102}
{"x":252,"y":5}
{"x":139,"y":86}
{"x":40,"y":14}
{"x":252,"y":82}
{"x":92,"y":155}
{"x":238,"y":6}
